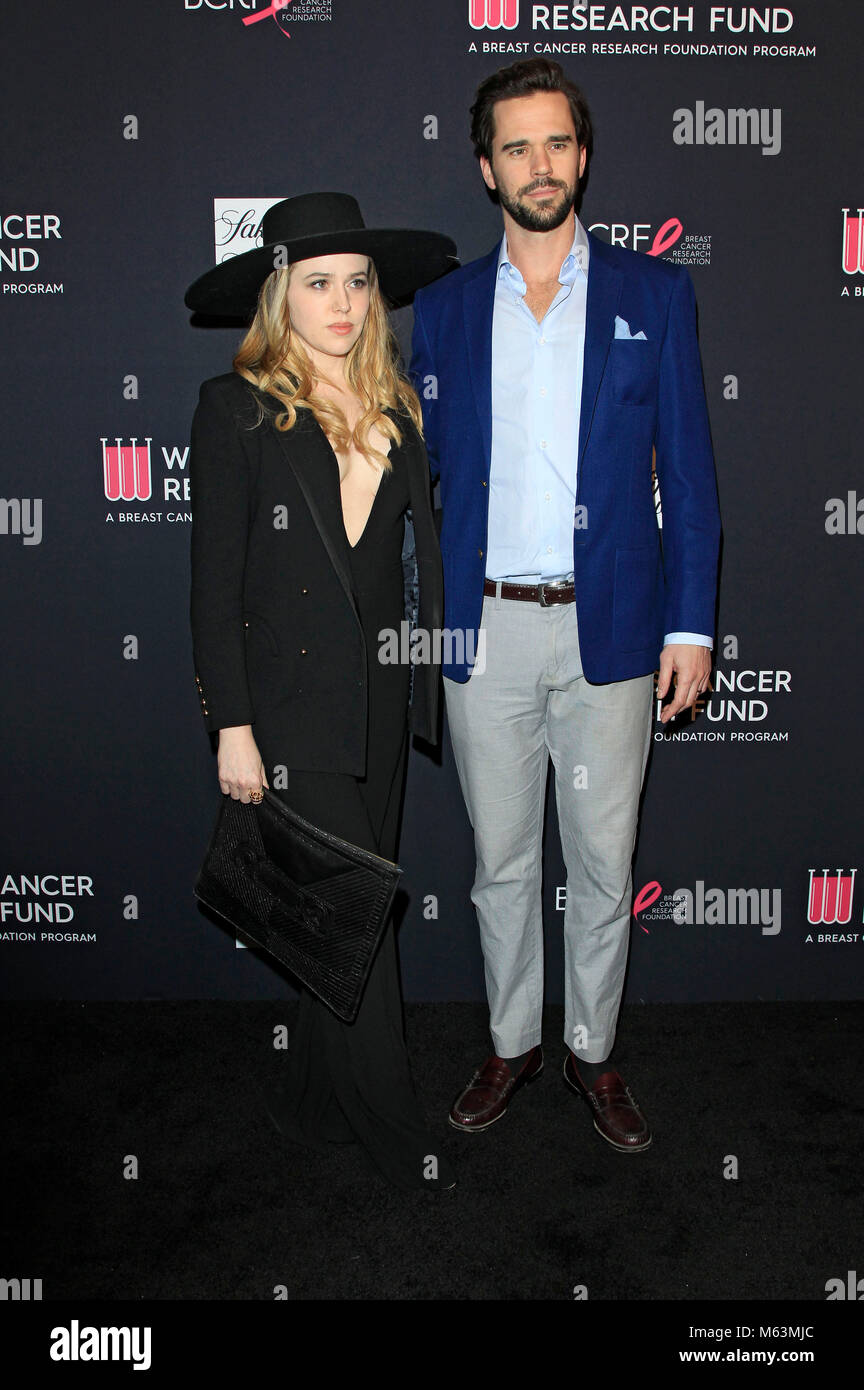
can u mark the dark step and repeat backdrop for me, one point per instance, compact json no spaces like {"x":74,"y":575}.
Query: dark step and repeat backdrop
{"x":143,"y":142}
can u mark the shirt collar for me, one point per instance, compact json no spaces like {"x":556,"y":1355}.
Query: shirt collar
{"x":574,"y":263}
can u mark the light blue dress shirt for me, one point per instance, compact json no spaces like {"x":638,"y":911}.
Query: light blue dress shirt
{"x":536,"y":407}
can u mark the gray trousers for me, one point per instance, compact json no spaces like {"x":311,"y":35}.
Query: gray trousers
{"x":531,"y":701}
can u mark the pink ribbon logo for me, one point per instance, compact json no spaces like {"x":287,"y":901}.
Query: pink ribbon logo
{"x":644,"y":898}
{"x":272,"y":9}
{"x":666,"y":236}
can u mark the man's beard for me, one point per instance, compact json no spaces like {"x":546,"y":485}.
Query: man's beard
{"x":535,"y":217}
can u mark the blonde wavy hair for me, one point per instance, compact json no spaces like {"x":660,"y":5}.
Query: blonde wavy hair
{"x":273,"y":358}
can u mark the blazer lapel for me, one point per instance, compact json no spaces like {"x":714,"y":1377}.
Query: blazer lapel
{"x":478,"y":299}
{"x":313,"y":463}
{"x":604,"y":292}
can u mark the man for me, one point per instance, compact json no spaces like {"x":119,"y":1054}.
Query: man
{"x":552,"y":372}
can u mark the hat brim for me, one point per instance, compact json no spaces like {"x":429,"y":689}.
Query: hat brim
{"x":405,"y":260}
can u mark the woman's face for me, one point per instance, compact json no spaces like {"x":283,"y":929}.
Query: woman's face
{"x":328,"y":300}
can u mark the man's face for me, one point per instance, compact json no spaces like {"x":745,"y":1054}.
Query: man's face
{"x":536,"y":162}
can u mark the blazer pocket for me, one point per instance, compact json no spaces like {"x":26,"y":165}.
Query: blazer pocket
{"x":633,"y":371}
{"x":638,"y":587}
{"x":256,"y":626}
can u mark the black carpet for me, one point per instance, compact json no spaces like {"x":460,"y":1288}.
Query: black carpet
{"x":223,"y":1208}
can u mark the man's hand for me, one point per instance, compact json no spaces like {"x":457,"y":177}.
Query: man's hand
{"x":691,"y":667}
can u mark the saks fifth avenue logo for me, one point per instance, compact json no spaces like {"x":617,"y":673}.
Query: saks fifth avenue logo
{"x":493,"y":14}
{"x":237,"y":225}
{"x":709,"y":907}
{"x":127,"y":476}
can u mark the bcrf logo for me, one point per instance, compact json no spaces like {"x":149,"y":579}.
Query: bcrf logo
{"x":493,"y":14}
{"x":641,"y":236}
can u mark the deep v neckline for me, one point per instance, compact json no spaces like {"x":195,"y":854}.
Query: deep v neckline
{"x":368,"y":514}
{"x":374,"y":499}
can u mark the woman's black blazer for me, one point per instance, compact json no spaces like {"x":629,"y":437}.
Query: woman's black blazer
{"x":276,"y":636}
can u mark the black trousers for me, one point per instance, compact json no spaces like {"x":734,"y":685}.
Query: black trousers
{"x":352,"y":1082}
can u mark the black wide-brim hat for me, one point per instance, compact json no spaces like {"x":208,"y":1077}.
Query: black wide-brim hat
{"x":322,"y":224}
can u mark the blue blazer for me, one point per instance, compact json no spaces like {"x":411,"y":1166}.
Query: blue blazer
{"x":639,"y":398}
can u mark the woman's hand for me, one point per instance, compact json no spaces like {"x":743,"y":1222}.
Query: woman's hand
{"x":241,"y":770}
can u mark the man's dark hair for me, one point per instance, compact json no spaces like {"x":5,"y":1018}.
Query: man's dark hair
{"x":521,"y":80}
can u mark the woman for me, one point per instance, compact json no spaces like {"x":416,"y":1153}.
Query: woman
{"x":312,"y":534}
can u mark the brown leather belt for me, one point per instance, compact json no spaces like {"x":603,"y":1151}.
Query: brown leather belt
{"x":558,"y":591}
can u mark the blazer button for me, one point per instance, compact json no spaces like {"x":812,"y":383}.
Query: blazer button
{"x":246,"y":622}
{"x":304,"y":591}
{"x":303,"y":651}
{"x":484,"y":482}
{"x":480,"y":553}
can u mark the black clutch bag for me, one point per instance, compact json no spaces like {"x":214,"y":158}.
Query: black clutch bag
{"x":316,"y":903}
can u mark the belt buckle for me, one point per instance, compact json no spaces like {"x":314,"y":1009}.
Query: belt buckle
{"x":550,"y":584}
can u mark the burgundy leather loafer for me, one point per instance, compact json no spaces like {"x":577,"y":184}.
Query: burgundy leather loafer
{"x":616,"y":1115}
{"x":491,"y":1090}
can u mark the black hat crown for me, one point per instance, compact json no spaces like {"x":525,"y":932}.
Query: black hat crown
{"x":322,"y":224}
{"x":309,"y":215}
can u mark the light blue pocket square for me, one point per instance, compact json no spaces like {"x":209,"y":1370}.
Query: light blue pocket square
{"x":622,"y":330}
